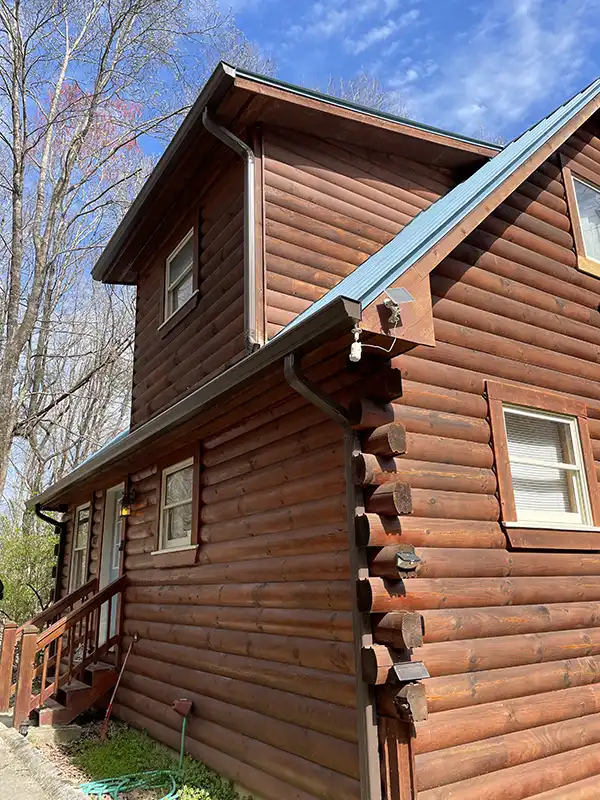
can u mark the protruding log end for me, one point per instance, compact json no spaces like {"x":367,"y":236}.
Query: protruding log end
{"x":364,"y":593}
{"x":387,"y":440}
{"x":400,"y":629}
{"x":410,"y":703}
{"x":370,"y":528}
{"x":364,"y":414}
{"x":369,"y":470}
{"x":391,"y":499}
{"x":377,"y":662}
{"x":394,"y":562}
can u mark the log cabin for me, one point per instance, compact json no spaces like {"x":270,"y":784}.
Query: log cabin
{"x":356,"y":518}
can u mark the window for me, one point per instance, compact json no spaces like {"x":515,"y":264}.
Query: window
{"x":179,"y":281}
{"x":176,"y":510}
{"x":81,"y":538}
{"x":545,"y":467}
{"x":582,"y":187}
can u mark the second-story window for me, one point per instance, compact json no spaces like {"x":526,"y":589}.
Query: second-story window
{"x":179,"y":279}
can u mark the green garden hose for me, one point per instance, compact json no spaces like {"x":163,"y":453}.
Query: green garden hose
{"x":156,"y":779}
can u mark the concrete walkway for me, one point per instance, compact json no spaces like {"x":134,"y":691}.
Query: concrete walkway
{"x":15,"y":778}
{"x":26,"y":775}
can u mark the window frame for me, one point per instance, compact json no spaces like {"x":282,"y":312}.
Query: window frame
{"x":86,"y":550}
{"x":183,"y":554}
{"x":170,"y":321}
{"x":171,"y":286}
{"x":547,"y":534}
{"x":178,"y":467}
{"x":571,"y":172}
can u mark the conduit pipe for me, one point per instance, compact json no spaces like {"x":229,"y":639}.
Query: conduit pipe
{"x":253,"y":338}
{"x":368,"y":742}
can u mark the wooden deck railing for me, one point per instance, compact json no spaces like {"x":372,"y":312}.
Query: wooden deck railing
{"x":52,"y":658}
{"x":12,"y":635}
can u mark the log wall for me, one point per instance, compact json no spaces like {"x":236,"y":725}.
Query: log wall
{"x":511,"y":639}
{"x":258,"y":633}
{"x":211,"y":336}
{"x":328,"y":206}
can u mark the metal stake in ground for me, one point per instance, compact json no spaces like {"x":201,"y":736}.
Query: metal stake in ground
{"x":104,"y":728}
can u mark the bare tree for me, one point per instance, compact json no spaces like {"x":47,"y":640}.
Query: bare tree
{"x":81,"y":86}
{"x":367,"y":90}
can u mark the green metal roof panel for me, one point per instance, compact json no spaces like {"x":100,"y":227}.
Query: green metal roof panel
{"x":429,"y":227}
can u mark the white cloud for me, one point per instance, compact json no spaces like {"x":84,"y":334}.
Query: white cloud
{"x":508,"y":67}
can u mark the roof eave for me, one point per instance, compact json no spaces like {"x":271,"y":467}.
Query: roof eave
{"x":336,"y":318}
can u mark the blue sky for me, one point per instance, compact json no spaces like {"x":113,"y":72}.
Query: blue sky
{"x":476,"y":67}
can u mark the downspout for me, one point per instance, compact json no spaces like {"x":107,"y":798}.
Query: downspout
{"x":252,"y":338}
{"x":368,"y":742}
{"x":59,"y":527}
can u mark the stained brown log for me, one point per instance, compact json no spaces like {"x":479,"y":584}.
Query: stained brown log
{"x":377,"y":663}
{"x":418,"y":393}
{"x":401,"y":630}
{"x":253,"y":779}
{"x":370,"y":470}
{"x":460,"y":726}
{"x":446,"y":625}
{"x":454,"y":505}
{"x":526,"y":779}
{"x":316,"y":747}
{"x":387,"y":440}
{"x":274,"y":761}
{"x":472,"y":655}
{"x":502,"y":752}
{"x":585,"y":789}
{"x":312,"y":653}
{"x":441,"y":450}
{"x":391,"y":498}
{"x":470,"y":689}
{"x":380,"y":596}
{"x":364,"y":414}
{"x":373,"y":530}
{"x":439,"y":423}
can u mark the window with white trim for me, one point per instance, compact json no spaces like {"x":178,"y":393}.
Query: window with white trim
{"x":179,"y":279}
{"x":176,"y":505}
{"x":547,"y":467}
{"x":588,"y":206}
{"x":81,"y":539}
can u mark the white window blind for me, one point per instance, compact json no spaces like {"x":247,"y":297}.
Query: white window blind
{"x":588,"y":205}
{"x":546,"y":465}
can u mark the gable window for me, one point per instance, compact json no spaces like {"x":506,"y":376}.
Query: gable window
{"x":544,"y":465}
{"x":582,"y":187}
{"x":588,"y":206}
{"x":81,"y":538}
{"x":179,"y":279}
{"x":176,"y":508}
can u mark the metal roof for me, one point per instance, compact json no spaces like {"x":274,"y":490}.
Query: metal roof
{"x":430,"y":226}
{"x":367,"y":110}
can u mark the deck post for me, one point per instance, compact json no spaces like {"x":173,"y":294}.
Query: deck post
{"x":9,"y":642}
{"x":25,"y":679}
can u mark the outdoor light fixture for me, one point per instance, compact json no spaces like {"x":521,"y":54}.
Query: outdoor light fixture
{"x":396,"y":298}
{"x":127,"y":501}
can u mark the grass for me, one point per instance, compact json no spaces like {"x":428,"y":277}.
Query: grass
{"x":126,"y":751}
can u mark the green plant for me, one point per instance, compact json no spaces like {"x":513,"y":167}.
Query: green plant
{"x":126,"y":751}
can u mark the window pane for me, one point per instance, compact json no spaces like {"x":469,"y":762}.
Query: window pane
{"x":83,"y":528}
{"x":181,"y":293}
{"x":179,"y":486}
{"x":588,"y":205}
{"x":538,"y":438}
{"x":177,"y":523}
{"x":546,"y":491}
{"x":182,"y":261}
{"x":78,"y":577}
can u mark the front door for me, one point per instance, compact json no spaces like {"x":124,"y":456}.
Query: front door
{"x":110,"y":567}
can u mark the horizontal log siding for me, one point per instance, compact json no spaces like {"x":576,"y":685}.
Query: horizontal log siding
{"x":328,"y":207}
{"x":96,"y":526}
{"x":211,"y":336}
{"x":64,"y":567}
{"x":258,"y":633}
{"x":511,"y":639}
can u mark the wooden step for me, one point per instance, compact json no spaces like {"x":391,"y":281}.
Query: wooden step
{"x":76,"y":697}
